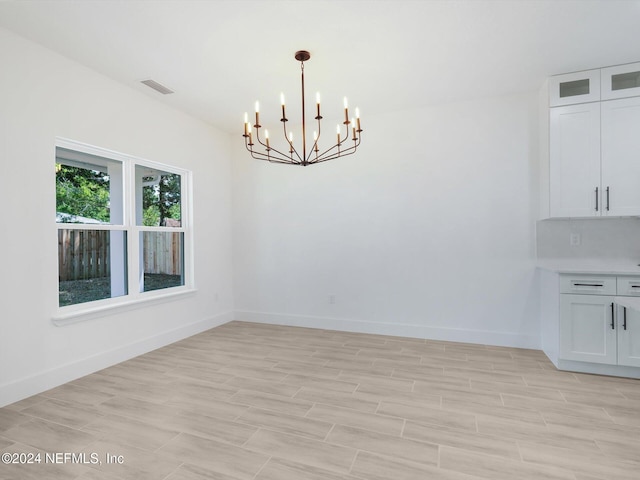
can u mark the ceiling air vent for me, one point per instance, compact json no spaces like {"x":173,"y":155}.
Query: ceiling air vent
{"x":157,"y":87}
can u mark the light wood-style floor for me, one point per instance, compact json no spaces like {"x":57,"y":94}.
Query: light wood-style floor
{"x":247,"y":401}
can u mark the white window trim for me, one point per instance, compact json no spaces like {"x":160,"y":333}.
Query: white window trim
{"x":133,"y":299}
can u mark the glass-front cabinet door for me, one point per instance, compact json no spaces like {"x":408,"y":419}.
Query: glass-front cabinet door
{"x":620,"y":81}
{"x":572,"y":88}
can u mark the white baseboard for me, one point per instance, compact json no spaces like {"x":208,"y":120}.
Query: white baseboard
{"x":26,"y":387}
{"x":598,"y":369}
{"x":483,"y":337}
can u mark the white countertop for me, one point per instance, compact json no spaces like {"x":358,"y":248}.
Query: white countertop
{"x":591,"y":266}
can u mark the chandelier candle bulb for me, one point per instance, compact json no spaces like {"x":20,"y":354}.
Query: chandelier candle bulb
{"x":354,"y":129}
{"x":246,"y":122}
{"x":338,"y":133}
{"x":257,"y":125}
{"x":284,"y":117}
{"x":358,"y":118}
{"x":266,"y":136}
{"x":318,"y":117}
{"x":346,"y":111}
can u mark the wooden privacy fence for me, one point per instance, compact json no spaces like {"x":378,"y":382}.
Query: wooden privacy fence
{"x":84,"y":254}
{"x":162,"y":252}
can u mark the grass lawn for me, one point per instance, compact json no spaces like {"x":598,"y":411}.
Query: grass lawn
{"x":81,"y":291}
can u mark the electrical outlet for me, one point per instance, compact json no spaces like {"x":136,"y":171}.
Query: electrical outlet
{"x":575,"y":240}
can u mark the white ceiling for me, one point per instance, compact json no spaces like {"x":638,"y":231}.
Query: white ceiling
{"x":219,"y":56}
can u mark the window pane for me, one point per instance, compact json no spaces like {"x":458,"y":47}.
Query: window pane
{"x":162,"y":260}
{"x":91,"y":265}
{"x":88,"y":188}
{"x":158,"y":198}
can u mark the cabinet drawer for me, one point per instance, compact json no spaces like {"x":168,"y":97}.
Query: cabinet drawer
{"x":628,"y":286}
{"x":588,"y":284}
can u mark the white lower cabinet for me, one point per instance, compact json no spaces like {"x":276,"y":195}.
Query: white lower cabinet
{"x":628,"y":325}
{"x":587,"y":328}
{"x":593,"y":328}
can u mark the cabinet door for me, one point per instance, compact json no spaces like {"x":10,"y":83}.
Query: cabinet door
{"x":620,"y":81}
{"x":621,"y":156}
{"x":628,"y":324}
{"x":586,"y":332}
{"x":575,"y":161}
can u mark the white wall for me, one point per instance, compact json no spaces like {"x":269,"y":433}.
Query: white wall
{"x":43,"y":95}
{"x":427,"y":231}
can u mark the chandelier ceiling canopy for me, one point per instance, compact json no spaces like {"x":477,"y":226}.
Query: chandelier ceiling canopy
{"x":262,"y":148}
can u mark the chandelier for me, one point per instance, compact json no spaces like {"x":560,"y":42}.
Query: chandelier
{"x":262,"y":148}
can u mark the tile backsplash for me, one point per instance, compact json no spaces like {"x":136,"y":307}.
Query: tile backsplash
{"x":594,"y":238}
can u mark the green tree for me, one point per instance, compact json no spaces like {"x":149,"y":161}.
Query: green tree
{"x":151,"y":216}
{"x":82,"y":192}
{"x":169,"y":197}
{"x":162,"y":200}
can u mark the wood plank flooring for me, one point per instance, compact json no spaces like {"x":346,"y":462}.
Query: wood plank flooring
{"x":261,"y":402}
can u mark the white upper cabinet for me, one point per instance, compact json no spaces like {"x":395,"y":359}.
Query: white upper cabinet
{"x":620,"y":81}
{"x":572,"y":88}
{"x":621,"y":156}
{"x":595,"y":142}
{"x":574,"y":136}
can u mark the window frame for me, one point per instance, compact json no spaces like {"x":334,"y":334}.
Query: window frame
{"x":134,"y":297}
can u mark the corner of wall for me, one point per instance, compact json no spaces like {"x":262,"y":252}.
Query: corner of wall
{"x":543,"y":122}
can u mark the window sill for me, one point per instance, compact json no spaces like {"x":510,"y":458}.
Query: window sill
{"x":97,"y":311}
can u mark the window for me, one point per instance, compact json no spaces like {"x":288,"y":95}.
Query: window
{"x":159,"y":194}
{"x":122,"y":227}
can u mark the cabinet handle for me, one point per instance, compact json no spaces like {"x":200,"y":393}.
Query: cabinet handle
{"x":634,"y":286}
{"x":607,"y":199}
{"x":613,"y":325}
{"x":590,"y":285}
{"x":596,"y":199}
{"x":624,"y":317}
